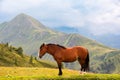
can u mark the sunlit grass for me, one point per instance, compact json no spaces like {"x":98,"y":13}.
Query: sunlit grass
{"x":13,"y":72}
{"x":35,"y":73}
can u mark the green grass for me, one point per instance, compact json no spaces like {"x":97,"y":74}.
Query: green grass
{"x":35,"y":73}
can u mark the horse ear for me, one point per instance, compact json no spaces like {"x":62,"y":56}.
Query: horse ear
{"x":43,"y":44}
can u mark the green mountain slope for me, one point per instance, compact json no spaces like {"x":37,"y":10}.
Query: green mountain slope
{"x":108,"y":63}
{"x":29,"y":33}
{"x":11,"y":56}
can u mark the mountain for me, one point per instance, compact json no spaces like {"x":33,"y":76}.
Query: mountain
{"x":110,"y":63}
{"x":12,"y":56}
{"x":111,"y":40}
{"x":24,"y":31}
{"x":28,"y":33}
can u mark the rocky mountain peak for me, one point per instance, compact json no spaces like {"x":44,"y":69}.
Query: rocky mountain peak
{"x":26,"y":22}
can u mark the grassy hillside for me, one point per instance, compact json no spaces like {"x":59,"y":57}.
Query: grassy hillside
{"x":23,"y":73}
{"x":108,"y":63}
{"x":11,"y":56}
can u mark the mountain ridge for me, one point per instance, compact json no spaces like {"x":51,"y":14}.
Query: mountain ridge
{"x":111,"y":40}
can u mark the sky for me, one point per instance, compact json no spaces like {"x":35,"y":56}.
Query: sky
{"x":100,"y":17}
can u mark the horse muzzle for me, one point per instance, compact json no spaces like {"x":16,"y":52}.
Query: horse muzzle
{"x":40,"y":56}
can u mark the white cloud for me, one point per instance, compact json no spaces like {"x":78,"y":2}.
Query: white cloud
{"x":101,"y":16}
{"x":12,"y":6}
{"x":106,"y":19}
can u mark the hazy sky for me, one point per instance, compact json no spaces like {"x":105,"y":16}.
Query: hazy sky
{"x":99,"y":16}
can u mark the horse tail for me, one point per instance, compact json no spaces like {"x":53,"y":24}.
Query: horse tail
{"x":87,"y":61}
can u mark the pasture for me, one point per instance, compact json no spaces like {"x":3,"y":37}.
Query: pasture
{"x":35,"y":73}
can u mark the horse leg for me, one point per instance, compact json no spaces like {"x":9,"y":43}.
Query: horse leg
{"x":81,"y":62}
{"x":83,"y":68}
{"x":59,"y":66}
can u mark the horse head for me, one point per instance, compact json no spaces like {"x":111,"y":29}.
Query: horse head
{"x":43,"y":50}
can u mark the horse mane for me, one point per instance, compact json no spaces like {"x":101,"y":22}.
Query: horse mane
{"x":57,"y":45}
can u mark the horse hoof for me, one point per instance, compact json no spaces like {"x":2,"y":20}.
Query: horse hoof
{"x":82,"y":73}
{"x":60,"y":74}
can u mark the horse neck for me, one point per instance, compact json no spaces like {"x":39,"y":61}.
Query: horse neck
{"x":52,"y":49}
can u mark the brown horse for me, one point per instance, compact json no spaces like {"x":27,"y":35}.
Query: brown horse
{"x":63,"y":54}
